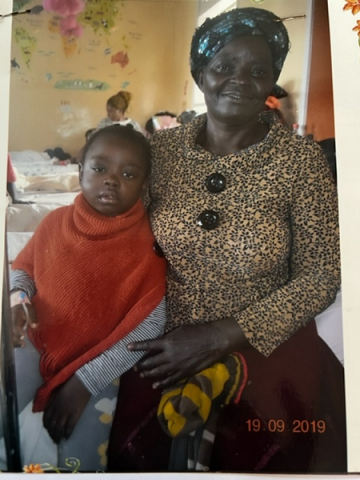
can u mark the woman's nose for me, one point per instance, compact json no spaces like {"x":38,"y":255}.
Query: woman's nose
{"x":239,"y":76}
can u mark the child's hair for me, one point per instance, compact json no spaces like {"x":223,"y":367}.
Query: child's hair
{"x":122,"y":132}
{"x":88,"y":133}
{"x":120,"y":101}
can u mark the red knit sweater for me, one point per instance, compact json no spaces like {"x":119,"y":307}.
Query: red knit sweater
{"x":97,"y":278}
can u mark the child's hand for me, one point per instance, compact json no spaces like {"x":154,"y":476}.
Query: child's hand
{"x":65,"y":408}
{"x":22,"y":317}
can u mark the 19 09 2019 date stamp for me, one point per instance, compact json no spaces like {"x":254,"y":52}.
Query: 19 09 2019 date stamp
{"x":279,"y":425}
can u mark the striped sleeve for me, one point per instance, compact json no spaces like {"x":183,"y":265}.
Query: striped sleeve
{"x":97,"y":374}
{"x":20,"y":280}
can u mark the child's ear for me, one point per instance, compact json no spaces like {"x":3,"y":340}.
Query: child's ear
{"x":81,"y":169}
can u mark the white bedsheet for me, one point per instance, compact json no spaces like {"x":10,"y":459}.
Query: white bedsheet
{"x":33,"y":163}
{"x":25,"y":218}
{"x":59,"y":182}
{"x":48,"y":192}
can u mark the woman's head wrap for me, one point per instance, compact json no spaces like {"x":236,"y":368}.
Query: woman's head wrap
{"x":120,"y":101}
{"x":217,"y":32}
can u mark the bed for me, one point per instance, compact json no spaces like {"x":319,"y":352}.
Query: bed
{"x":32,"y":163}
{"x":48,"y":192}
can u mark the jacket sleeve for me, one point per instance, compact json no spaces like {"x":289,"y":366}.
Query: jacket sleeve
{"x":314,"y":262}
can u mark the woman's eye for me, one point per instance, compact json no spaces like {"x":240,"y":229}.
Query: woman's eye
{"x":223,"y":67}
{"x":258,"y":71}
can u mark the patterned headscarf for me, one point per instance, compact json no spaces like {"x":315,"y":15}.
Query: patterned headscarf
{"x":217,"y":32}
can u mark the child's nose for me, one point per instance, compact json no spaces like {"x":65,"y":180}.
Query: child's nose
{"x":112,"y":180}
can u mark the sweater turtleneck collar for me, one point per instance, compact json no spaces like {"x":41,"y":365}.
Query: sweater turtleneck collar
{"x":92,"y":223}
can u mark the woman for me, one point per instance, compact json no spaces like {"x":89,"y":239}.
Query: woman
{"x":116,"y":107}
{"x":246,"y":214}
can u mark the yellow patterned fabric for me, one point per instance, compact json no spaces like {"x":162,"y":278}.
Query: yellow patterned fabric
{"x":186,"y":407}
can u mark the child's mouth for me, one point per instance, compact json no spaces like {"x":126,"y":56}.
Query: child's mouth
{"x":109,"y":198}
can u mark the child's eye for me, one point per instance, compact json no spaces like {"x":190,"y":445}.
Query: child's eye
{"x":98,"y":169}
{"x":128,"y":175}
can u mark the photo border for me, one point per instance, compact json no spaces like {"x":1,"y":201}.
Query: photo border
{"x":345,"y":52}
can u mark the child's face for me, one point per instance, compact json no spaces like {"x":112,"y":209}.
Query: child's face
{"x":113,"y":176}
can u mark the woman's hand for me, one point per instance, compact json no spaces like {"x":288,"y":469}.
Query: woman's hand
{"x":65,"y":407}
{"x":188,"y":350}
{"x":23,"y":315}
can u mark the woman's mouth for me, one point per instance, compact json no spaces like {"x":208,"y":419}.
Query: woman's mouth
{"x":237,"y":96}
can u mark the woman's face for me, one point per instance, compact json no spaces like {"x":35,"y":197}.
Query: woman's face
{"x":238,"y":79}
{"x":114,"y":114}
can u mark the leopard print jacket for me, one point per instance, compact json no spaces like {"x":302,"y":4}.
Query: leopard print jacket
{"x":273,"y":262}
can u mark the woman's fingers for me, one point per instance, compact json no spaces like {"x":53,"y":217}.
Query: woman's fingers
{"x":168,"y":381}
{"x":158,"y":372}
{"x":186,"y":350}
{"x":149,"y":362}
{"x":146,"y":346}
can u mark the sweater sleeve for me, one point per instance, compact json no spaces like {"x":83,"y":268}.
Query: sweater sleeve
{"x":97,"y":374}
{"x":25,"y":259}
{"x":20,"y":280}
{"x":314,"y":262}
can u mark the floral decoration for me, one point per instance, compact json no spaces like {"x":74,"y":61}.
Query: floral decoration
{"x":68,"y":11}
{"x":357,"y":28}
{"x":33,"y":468}
{"x":354,"y":7}
{"x":72,"y":463}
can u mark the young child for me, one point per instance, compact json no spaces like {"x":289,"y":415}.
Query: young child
{"x":92,"y":275}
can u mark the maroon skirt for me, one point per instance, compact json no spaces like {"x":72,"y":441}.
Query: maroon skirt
{"x":291,"y":417}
